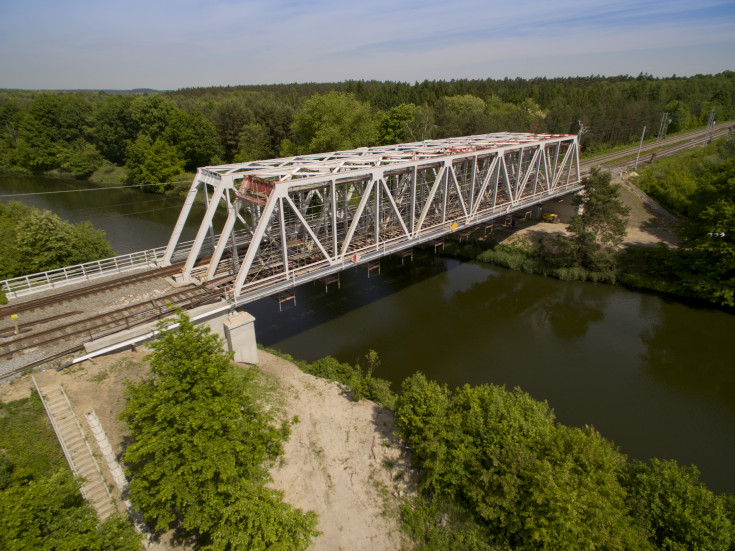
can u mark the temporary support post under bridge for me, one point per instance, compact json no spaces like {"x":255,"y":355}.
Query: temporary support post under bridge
{"x":303,"y":218}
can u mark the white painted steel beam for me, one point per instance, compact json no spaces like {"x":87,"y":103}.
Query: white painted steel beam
{"x":311,"y":215}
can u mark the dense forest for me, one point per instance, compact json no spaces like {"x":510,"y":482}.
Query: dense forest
{"x":157,"y":136}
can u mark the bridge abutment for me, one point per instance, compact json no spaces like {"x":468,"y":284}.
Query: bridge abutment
{"x":240,"y":335}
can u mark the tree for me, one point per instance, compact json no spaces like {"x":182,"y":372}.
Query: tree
{"x":194,"y":137}
{"x":394,"y":126}
{"x":115,"y":127}
{"x":80,"y":158}
{"x":527,"y":482}
{"x":710,"y":236}
{"x":39,"y":240}
{"x":254,"y":143}
{"x":676,"y":511}
{"x":422,"y":126}
{"x":50,"y":513}
{"x":600,"y":229}
{"x":151,"y":115}
{"x":461,"y":116}
{"x":681,"y":117}
{"x":41,"y":506}
{"x":150,"y":164}
{"x":200,"y":445}
{"x":332,"y":122}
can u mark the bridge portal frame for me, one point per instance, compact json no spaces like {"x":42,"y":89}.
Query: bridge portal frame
{"x":305,"y":217}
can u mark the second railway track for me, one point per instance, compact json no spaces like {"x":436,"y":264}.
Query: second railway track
{"x":99,"y":325}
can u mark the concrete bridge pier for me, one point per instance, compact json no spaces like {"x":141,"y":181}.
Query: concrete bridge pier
{"x":240,"y":335}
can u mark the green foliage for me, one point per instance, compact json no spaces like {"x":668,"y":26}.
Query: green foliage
{"x":500,"y":457}
{"x":153,"y":165}
{"x":542,"y":262}
{"x":50,"y":513}
{"x":40,"y":503}
{"x":681,"y":117}
{"x":363,"y":384}
{"x":42,"y":131}
{"x":114,"y":128}
{"x":80,"y":159}
{"x":675,"y":510}
{"x":27,"y":442}
{"x":254,"y":143}
{"x":704,"y":266}
{"x":461,"y":115}
{"x":201,"y":445}
{"x":395,"y":124}
{"x":601,"y":228}
{"x":194,"y":137}
{"x":151,"y":115}
{"x":35,"y":241}
{"x":332,"y":122}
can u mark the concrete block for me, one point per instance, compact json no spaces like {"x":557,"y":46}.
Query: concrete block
{"x":240,"y":334}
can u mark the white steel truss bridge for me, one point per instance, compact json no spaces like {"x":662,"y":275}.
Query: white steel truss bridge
{"x":298,"y":219}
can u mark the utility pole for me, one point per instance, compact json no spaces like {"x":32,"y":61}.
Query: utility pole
{"x":582,"y":130}
{"x":640,"y":145}
{"x":666,"y":127}
{"x":710,"y":126}
{"x":661,"y":127}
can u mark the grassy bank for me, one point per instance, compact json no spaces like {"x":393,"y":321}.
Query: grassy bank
{"x":530,"y":260}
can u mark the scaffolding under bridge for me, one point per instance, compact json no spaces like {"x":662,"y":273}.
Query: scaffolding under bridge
{"x":297,"y":219}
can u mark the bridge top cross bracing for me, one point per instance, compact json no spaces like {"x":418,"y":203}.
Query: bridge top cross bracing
{"x":299,"y":218}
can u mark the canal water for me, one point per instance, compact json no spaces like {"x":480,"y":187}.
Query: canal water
{"x":656,"y":376}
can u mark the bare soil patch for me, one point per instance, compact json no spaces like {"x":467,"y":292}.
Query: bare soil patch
{"x":648,"y":223}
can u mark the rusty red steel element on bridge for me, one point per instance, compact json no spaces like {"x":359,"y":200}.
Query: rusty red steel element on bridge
{"x":297,"y":219}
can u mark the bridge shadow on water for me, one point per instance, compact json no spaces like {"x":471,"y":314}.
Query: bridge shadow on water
{"x":317,"y":303}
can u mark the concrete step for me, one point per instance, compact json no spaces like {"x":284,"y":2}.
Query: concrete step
{"x":97,"y":493}
{"x":56,"y":402}
{"x":75,"y":444}
{"x":85,"y":464}
{"x":66,"y":425}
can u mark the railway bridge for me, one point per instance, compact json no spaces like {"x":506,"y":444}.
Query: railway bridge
{"x":297,"y":219}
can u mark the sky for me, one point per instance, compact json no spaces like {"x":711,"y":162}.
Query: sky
{"x":165,"y":45}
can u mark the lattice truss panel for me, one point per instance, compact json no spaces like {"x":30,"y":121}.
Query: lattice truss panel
{"x":298,"y":218}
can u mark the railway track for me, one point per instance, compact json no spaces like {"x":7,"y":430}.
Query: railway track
{"x":49,"y":300}
{"x":664,"y":148}
{"x":100,"y":325}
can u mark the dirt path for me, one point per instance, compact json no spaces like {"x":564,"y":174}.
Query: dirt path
{"x":341,"y":461}
{"x":648,"y":223}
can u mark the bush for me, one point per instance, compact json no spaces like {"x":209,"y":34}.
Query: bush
{"x":363,"y":384}
{"x":522,"y":480}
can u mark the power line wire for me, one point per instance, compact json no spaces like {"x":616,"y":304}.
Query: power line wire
{"x":75,"y":190}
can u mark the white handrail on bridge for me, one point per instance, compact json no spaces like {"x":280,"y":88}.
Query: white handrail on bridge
{"x":69,"y":275}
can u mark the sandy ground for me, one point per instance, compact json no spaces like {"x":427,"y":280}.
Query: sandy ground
{"x":648,"y":223}
{"x":342,"y":459}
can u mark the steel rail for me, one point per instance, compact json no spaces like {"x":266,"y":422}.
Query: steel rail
{"x":110,"y":322}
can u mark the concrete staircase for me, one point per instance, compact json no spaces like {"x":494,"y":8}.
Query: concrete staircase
{"x":77,"y":450}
